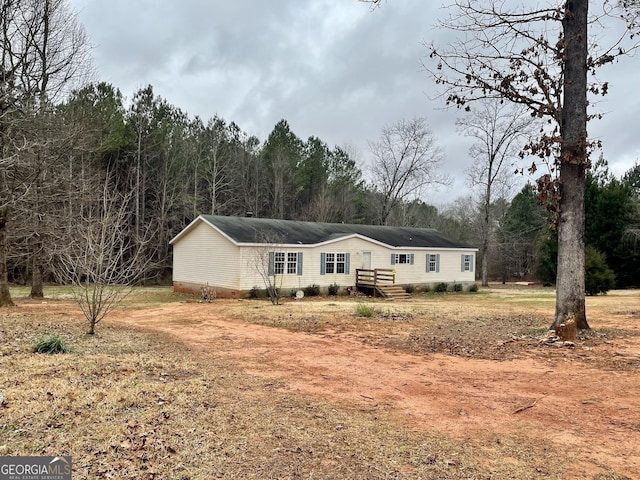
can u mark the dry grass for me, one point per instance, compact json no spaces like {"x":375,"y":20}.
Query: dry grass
{"x":130,"y":404}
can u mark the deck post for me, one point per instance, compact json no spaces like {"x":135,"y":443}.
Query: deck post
{"x":375,"y":282}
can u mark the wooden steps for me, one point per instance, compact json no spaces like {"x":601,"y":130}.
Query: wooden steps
{"x":381,"y":281}
{"x":392,"y":292}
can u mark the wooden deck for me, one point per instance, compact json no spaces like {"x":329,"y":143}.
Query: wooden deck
{"x":381,"y":281}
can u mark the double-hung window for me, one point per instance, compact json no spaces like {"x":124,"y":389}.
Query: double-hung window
{"x":279,"y":263}
{"x":285,"y":263}
{"x":433,"y":262}
{"x":331,"y":262}
{"x":334,"y":263}
{"x":466,"y":263}
{"x":292,"y":263}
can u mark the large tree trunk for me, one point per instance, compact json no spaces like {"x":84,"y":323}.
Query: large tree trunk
{"x":570,"y":298}
{"x":37,"y":288}
{"x":5,"y":295}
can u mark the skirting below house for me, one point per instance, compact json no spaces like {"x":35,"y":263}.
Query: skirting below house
{"x":199,"y":289}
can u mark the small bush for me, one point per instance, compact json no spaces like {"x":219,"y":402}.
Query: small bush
{"x":51,"y":344}
{"x":440,"y":287}
{"x":256,"y":292}
{"x":364,"y":310}
{"x":426,"y":288}
{"x":599,"y":278}
{"x":207,"y":294}
{"x":473,"y":287}
{"x":410,"y":289}
{"x":334,"y":288}
{"x":457,"y":287}
{"x":312,"y":290}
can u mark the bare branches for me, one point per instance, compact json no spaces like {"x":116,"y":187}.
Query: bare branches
{"x":500,"y":130}
{"x":405,"y":161}
{"x":503,"y":54}
{"x":264,"y":262}
{"x":101,"y":257}
{"x":517,"y":53}
{"x":374,"y":3}
{"x":43,"y":49}
{"x":53,"y":46}
{"x":629,"y":12}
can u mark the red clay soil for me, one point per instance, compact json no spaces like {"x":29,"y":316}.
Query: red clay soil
{"x":550,"y":398}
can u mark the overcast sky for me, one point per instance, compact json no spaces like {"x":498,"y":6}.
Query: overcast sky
{"x":334,"y":69}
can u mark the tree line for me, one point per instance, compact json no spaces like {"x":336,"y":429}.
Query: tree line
{"x":525,"y":243}
{"x":170,"y":168}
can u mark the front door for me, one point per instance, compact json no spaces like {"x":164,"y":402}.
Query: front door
{"x":366,"y":260}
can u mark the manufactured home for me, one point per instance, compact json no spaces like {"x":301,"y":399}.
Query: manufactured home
{"x":232,"y":255}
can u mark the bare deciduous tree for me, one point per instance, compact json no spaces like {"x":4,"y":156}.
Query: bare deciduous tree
{"x":500,"y":130}
{"x":43,"y":49}
{"x":405,"y":161}
{"x":264,"y":262}
{"x":100,"y":257}
{"x":216,"y":161}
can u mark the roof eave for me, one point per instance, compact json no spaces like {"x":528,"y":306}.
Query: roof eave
{"x":190,"y":227}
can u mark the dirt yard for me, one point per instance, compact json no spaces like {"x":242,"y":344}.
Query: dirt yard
{"x":468,"y":366}
{"x":455,"y":386}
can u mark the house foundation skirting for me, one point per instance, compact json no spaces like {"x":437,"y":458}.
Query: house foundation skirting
{"x":197,"y":289}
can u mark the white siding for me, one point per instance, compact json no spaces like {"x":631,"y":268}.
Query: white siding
{"x":450,"y":265}
{"x":204,"y":256}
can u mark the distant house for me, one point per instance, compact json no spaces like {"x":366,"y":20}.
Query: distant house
{"x":228,"y":253}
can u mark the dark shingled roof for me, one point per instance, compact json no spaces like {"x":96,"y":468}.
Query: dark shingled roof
{"x":263,"y":230}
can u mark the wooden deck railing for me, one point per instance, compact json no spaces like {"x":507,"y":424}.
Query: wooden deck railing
{"x":374,"y":278}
